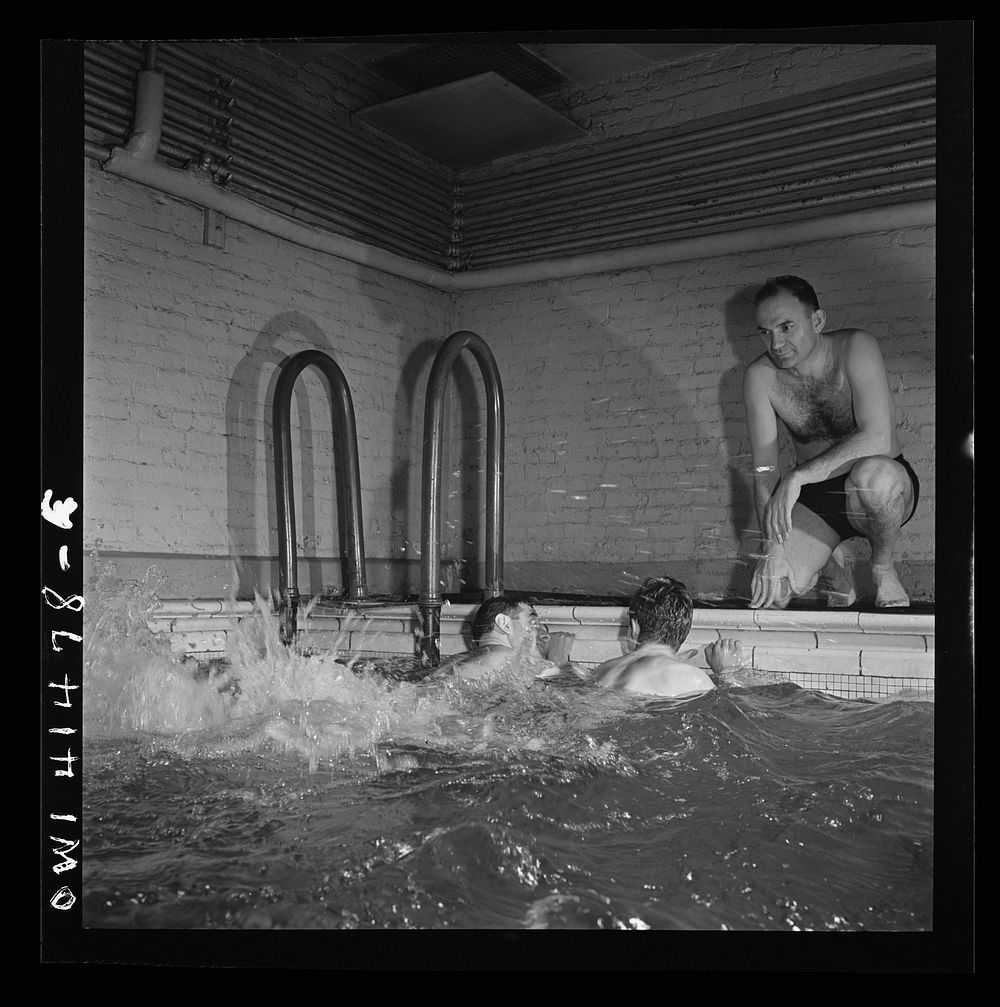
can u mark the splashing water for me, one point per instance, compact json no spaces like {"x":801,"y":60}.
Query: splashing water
{"x":288,"y":789}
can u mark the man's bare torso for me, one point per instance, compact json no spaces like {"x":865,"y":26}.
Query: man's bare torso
{"x":818,"y":411}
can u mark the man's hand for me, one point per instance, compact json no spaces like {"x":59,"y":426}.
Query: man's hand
{"x":556,"y":647}
{"x":725,"y":656}
{"x":778,"y":514}
{"x":771,"y":585}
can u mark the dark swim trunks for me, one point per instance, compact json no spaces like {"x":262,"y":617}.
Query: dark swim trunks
{"x":828,"y":500}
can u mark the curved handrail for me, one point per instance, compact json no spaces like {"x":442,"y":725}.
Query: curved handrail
{"x":288,"y":560}
{"x":430,"y":560}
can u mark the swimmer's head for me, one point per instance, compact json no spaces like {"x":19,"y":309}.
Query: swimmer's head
{"x":516,"y":619}
{"x":662,"y":610}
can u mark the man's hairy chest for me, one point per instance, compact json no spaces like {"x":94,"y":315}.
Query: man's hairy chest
{"x":815,"y":409}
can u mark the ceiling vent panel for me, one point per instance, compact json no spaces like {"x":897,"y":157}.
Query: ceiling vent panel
{"x":425,"y":66}
{"x":471,"y":121}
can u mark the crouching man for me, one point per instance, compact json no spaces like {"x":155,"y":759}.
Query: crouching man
{"x":830,"y":391}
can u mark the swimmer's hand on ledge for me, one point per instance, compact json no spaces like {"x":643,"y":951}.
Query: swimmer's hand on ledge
{"x":556,"y":647}
{"x":726,"y":656}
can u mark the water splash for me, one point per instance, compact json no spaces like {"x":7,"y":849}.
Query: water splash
{"x":297,"y":699}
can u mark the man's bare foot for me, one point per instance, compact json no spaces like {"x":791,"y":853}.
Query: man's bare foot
{"x":836,"y":581}
{"x":889,"y":592}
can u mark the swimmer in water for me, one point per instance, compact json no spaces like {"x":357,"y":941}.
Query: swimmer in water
{"x":660,"y":615}
{"x":506,"y":631}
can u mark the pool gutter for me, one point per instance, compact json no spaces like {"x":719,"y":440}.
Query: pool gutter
{"x":841,"y":651}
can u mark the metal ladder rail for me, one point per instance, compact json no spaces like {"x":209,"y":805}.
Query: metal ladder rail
{"x":430,"y":560}
{"x":357,"y":589}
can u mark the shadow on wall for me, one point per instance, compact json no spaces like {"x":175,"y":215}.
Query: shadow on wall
{"x":244,"y":433}
{"x":740,"y":327}
{"x":599,"y":417}
{"x":464,"y":411}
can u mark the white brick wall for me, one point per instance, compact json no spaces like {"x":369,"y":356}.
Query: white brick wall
{"x":626,"y":441}
{"x":626,"y":436}
{"x":182,"y":345}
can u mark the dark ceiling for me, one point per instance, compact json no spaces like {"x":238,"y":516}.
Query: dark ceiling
{"x":465,"y":103}
{"x":577,"y":63}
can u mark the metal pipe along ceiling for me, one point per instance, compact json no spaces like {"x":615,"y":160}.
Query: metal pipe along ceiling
{"x":282,"y":119}
{"x":253,"y":158}
{"x":615,"y":153}
{"x":700,"y":223}
{"x":323,"y":196}
{"x":642,"y":202}
{"x":324,"y":212}
{"x":916,"y":134}
{"x":671,"y":207}
{"x":654,"y":198}
{"x":350,"y":144}
{"x":623,"y":165}
{"x":250,"y":142}
{"x":341,"y":162}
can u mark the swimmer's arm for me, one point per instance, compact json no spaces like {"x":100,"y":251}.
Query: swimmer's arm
{"x":730,"y":666}
{"x":557,"y":671}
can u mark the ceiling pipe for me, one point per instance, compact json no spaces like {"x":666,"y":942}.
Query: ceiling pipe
{"x":249,"y":135}
{"x":647,"y":204}
{"x":537,"y":183}
{"x":558,"y":252}
{"x":722,"y":169}
{"x":380,"y":209}
{"x":651,"y":214}
{"x":197,"y":187}
{"x":692,"y":142}
{"x":269,"y":162}
{"x":250,"y":178}
{"x":137,"y":162}
{"x":148,"y":121}
{"x":290,"y":114}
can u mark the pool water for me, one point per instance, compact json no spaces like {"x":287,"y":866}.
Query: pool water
{"x":290,"y":791}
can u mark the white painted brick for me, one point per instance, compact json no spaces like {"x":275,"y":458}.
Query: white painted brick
{"x":183,"y":339}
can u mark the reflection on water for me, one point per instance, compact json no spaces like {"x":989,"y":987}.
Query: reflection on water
{"x":292,"y":791}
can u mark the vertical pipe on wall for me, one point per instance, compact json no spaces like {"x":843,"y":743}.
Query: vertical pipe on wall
{"x":357,"y":589}
{"x":146,"y":127}
{"x":430,"y":559}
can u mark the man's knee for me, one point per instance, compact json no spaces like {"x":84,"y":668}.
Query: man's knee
{"x":878,"y":482}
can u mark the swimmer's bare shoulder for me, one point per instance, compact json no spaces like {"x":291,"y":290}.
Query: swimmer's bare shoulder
{"x":654,"y":675}
{"x":479,"y":664}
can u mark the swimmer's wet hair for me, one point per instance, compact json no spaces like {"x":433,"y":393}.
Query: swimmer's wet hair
{"x":486,"y":615}
{"x":664,"y":609}
{"x":800,"y":289}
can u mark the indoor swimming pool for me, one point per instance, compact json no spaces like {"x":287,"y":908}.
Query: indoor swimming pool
{"x":286,"y":790}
